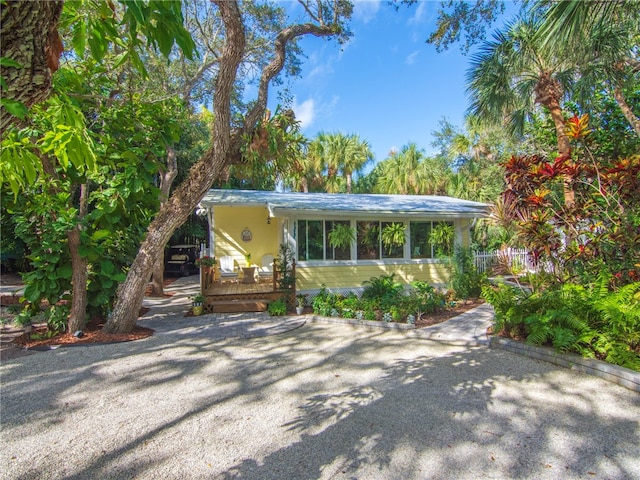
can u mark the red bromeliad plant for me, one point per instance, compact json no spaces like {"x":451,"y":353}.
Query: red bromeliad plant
{"x":601,"y":230}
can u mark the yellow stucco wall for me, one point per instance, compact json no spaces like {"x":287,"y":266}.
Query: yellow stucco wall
{"x":229,"y":223}
{"x":312,"y":277}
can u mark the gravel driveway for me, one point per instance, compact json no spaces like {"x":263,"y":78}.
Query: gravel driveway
{"x":318,"y":401}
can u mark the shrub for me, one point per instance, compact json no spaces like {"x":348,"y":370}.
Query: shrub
{"x":277,"y":307}
{"x":466,"y":281}
{"x":383,"y":289}
{"x":427,"y":298}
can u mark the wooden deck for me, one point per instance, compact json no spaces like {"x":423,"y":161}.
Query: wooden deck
{"x":236,"y":296}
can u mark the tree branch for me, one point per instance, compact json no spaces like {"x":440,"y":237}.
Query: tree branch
{"x":269,"y":72}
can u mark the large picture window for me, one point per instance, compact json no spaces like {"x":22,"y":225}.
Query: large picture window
{"x":419,"y":240}
{"x":368,"y":240}
{"x":380,"y":240}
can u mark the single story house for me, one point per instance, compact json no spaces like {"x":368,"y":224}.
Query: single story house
{"x":258,"y":222}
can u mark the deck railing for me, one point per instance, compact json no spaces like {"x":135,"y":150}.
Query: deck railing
{"x":209,"y":276}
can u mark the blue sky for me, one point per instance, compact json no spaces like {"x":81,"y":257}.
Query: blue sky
{"x":386,"y":85}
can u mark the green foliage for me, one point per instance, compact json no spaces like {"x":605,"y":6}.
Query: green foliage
{"x":383,"y":289}
{"x":442,"y":237}
{"x":57,"y":317}
{"x":393,"y":235}
{"x":425,"y":298}
{"x":277,"y":307}
{"x":592,"y":321}
{"x":99,"y":25}
{"x":463,"y":18}
{"x":342,"y":235}
{"x":466,"y":281}
{"x":284,"y":264}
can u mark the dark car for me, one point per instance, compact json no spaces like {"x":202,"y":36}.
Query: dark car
{"x":180,"y":260}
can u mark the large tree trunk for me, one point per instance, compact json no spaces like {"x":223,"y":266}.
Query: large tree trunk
{"x":166,"y":179}
{"x":225,"y":148}
{"x":80,"y":272}
{"x":186,"y":197}
{"x":548,"y":94}
{"x":626,"y":109}
{"x":29,"y":37}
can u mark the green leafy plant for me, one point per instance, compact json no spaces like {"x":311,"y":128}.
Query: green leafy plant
{"x":393,"y":235}
{"x":382,"y":287}
{"x":301,"y":299}
{"x":197,"y":299}
{"x":57,"y":318}
{"x":441,"y":238}
{"x":592,"y":321}
{"x":466,"y":281}
{"x":342,"y":235}
{"x":277,"y":307}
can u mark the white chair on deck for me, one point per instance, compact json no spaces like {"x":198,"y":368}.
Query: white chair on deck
{"x":227,"y":269}
{"x":266,"y":269}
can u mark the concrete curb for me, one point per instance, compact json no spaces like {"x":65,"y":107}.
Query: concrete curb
{"x":612,"y":373}
{"x":360,"y":323}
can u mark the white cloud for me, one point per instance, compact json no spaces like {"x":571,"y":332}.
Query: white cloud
{"x":365,"y":10}
{"x":411,"y":58}
{"x":305,"y":112}
{"x":420,"y":14}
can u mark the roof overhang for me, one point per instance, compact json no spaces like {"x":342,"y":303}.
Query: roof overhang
{"x":347,"y":205}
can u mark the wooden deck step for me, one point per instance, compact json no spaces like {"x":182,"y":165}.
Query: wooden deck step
{"x":233,"y":306}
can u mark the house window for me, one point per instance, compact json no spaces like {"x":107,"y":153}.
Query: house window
{"x":392,"y":235}
{"x":419,"y":240}
{"x":313,"y":241}
{"x":375,"y":240}
{"x":428,"y":238}
{"x":310,"y":240}
{"x":342,"y":252}
{"x":368,"y":240}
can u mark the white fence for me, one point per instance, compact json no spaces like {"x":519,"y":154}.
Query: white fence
{"x":508,"y":258}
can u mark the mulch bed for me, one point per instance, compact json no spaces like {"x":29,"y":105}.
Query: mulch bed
{"x":92,"y":333}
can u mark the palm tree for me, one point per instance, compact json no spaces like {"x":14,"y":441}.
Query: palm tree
{"x":338,"y":157}
{"x":603,"y":37}
{"x":400,"y":173}
{"x":357,"y":156}
{"x":511,"y":74}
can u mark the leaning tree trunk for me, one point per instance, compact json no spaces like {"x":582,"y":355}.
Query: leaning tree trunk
{"x":186,"y":197}
{"x":166,"y":179}
{"x":225,"y":148}
{"x":626,"y":109}
{"x":30,"y":38}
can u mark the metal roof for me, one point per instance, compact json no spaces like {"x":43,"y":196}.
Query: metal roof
{"x":341,"y":204}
